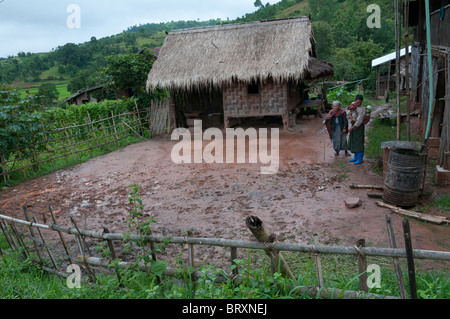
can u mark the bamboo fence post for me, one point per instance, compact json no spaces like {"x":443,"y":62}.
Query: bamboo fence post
{"x":115,"y":130}
{"x":6,"y":176}
{"x":191,"y":255}
{"x":398,"y":270}
{"x":104,"y":131}
{"x":233,"y":256}
{"x":318,"y":262}
{"x":80,"y":246}
{"x":149,"y":119}
{"x":93,"y":129}
{"x":88,"y":136}
{"x":21,"y":163}
{"x":74,"y":144}
{"x":138,"y":118}
{"x":8,"y":239}
{"x":50,"y":208}
{"x":113,"y":256}
{"x":410,"y":259}
{"x":36,"y":157}
{"x":68,"y":141}
{"x":20,"y":243}
{"x":362,"y":265}
{"x":48,"y":146}
{"x":261,"y":234}
{"x":28,"y":218}
{"x":46,"y":246}
{"x":61,"y":138}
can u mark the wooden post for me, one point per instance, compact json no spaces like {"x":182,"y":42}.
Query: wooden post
{"x":115,"y":130}
{"x":60,"y":234}
{"x":6,"y":177}
{"x":45,"y":245}
{"x":191,"y":255}
{"x":410,"y":259}
{"x":21,"y":163}
{"x":113,"y":255}
{"x":408,"y":89}
{"x":318,"y":262}
{"x":19,"y":241}
{"x":27,"y":216}
{"x":233,"y":256}
{"x":398,"y":270}
{"x":48,"y":146}
{"x":87,"y":135}
{"x":80,"y":246}
{"x":362,"y":265}
{"x":61,"y":137}
{"x":3,"y":227}
{"x":104,"y":132}
{"x":68,"y":142}
{"x":93,"y":129}
{"x":397,"y":66}
{"x":261,"y":234}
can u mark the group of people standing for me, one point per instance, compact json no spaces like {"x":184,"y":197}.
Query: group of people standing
{"x":341,"y":122}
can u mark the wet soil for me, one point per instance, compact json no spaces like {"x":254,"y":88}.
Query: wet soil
{"x":304,"y":197}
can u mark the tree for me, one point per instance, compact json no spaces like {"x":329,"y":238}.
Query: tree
{"x":129,"y":71}
{"x":47,"y":94}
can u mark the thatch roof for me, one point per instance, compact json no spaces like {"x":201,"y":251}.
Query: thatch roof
{"x":218,"y":55}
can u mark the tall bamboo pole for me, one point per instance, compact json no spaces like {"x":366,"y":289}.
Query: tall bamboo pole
{"x":397,"y":66}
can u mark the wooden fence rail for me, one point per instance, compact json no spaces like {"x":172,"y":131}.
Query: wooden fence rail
{"x":70,"y":142}
{"x":14,"y":239}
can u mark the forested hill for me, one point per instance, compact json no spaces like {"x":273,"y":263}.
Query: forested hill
{"x":340,"y":30}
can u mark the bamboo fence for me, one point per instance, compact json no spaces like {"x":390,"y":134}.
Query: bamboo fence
{"x":69,"y":144}
{"x":15,"y":238}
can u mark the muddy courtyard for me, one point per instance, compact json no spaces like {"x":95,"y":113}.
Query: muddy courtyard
{"x":306,"y":196}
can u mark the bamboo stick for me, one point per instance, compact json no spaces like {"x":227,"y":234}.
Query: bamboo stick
{"x":115,"y":130}
{"x":19,"y":242}
{"x":398,"y":270}
{"x":356,"y":186}
{"x":46,"y":247}
{"x":21,"y":163}
{"x":88,"y":137}
{"x":27,"y":216}
{"x":64,"y":147}
{"x":318,"y":262}
{"x":3,"y":227}
{"x":80,"y":246}
{"x":113,"y":255}
{"x":258,"y":229}
{"x":105,"y":135}
{"x":48,"y":146}
{"x":439,"y":220}
{"x":233,"y":257}
{"x":50,"y":208}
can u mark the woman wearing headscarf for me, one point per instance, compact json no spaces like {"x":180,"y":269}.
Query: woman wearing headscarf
{"x":337,"y":124}
{"x":357,"y":112}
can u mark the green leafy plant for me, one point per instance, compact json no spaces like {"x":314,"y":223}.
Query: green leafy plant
{"x":142,"y":224}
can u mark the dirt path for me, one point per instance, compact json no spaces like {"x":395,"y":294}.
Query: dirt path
{"x":212,"y":200}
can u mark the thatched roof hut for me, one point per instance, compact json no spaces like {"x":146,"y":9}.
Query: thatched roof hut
{"x":216,"y":57}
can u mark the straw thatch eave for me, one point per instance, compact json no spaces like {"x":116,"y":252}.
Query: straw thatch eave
{"x":217,"y":56}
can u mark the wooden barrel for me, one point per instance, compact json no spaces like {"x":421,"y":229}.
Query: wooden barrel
{"x":404,"y":177}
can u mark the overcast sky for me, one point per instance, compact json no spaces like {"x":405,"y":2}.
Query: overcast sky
{"x":42,"y":25}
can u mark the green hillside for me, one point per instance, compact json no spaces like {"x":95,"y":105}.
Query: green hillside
{"x":341,"y":34}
